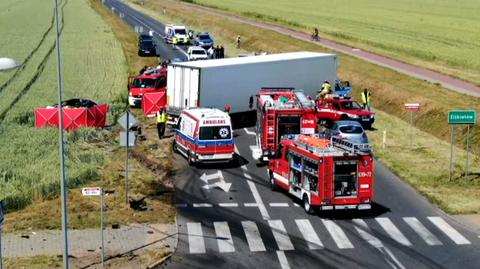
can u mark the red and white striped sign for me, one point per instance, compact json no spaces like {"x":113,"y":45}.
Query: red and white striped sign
{"x":412,"y":106}
{"x":92,"y":191}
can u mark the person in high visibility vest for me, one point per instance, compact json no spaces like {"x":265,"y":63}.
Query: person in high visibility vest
{"x":326,"y":89}
{"x":161,"y":121}
{"x":366,"y":99}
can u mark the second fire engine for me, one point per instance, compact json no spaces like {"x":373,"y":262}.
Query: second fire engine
{"x":281,"y":112}
{"x":324,"y":174}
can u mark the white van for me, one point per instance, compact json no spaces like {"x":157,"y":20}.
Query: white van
{"x":176,"y":34}
{"x":204,"y":135}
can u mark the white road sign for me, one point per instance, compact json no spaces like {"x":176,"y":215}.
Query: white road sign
{"x":92,"y":191}
{"x":132,"y":121}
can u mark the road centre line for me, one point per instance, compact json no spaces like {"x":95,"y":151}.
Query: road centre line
{"x":249,"y":132}
{"x":151,"y":28}
{"x":280,"y":234}
{"x":202,"y":205}
{"x":258,"y":200}
{"x":181,"y":205}
{"x":250,"y":205}
{"x":244,"y":167}
{"x":228,"y":204}
{"x":362,"y":228}
{"x":283,"y":260}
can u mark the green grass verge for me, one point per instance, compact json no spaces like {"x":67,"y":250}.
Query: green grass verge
{"x":390,"y":91}
{"x":439,"y":35}
{"x":93,"y":67}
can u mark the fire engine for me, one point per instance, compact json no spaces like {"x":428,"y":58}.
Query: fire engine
{"x":281,"y":111}
{"x":147,"y":82}
{"x":325,"y":174}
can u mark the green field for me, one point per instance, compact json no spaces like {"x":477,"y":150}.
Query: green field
{"x":94,"y":67}
{"x":442,"y":35}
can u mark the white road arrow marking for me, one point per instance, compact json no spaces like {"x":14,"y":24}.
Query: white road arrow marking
{"x":225,"y":186}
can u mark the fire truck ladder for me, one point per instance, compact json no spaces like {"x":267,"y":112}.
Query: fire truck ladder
{"x":303,"y":100}
{"x":353,"y":148}
{"x":329,"y":181}
{"x":270,"y":123}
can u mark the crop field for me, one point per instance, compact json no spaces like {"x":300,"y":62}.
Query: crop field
{"x":390,"y":90}
{"x":93,"y":67}
{"x":442,"y":35}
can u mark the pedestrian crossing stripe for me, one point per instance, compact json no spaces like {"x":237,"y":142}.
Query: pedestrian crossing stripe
{"x":309,"y":234}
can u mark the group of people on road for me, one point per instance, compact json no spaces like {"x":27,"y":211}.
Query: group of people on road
{"x":326,"y":91}
{"x":217,"y":52}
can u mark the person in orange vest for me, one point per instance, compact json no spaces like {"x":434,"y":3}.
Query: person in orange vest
{"x":161,"y":121}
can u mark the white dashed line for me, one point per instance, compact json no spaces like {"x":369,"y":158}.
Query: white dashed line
{"x":296,"y":205}
{"x":181,"y":205}
{"x":202,"y":205}
{"x":227,"y":204}
{"x":279,"y":205}
{"x":250,"y":205}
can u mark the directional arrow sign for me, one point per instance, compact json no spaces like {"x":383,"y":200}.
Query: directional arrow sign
{"x":220,"y":184}
{"x":132,"y":121}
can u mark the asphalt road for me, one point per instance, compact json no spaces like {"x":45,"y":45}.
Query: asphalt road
{"x":246,"y":225}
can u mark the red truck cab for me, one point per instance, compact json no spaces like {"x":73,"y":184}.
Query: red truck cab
{"x":141,"y":84}
{"x":344,"y":108}
{"x":324,"y":174}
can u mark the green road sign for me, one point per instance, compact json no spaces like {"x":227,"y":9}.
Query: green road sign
{"x":462,"y":117}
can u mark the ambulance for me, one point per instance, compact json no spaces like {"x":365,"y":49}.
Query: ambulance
{"x":204,"y":135}
{"x":325,"y":174}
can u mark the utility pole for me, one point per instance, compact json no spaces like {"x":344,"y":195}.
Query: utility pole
{"x":63,"y":183}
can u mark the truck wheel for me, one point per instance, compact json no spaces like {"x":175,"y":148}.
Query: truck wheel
{"x":306,"y":205}
{"x":272,"y":182}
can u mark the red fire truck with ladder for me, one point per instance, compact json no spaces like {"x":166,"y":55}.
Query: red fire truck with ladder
{"x":280,"y":112}
{"x":324,"y":174}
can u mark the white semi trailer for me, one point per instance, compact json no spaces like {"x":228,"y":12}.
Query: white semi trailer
{"x":235,"y":81}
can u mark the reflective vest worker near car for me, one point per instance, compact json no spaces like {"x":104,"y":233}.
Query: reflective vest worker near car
{"x":161,"y":121}
{"x":366,"y":99}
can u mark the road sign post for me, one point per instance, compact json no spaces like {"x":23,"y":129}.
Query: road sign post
{"x":98,"y":191}
{"x":412,"y":107}
{"x":127,"y":121}
{"x":455,"y":117}
{"x":2,"y":218}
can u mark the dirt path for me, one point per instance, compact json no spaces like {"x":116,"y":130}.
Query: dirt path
{"x":418,"y":72}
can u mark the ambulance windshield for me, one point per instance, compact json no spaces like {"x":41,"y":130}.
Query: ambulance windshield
{"x":215,"y":133}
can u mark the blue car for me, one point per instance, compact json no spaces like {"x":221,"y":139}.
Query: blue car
{"x":204,"y":40}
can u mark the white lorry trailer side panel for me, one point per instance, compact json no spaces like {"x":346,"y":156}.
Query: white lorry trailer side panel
{"x":232,"y":84}
{"x":182,"y":87}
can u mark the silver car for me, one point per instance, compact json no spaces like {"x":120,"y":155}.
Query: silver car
{"x":351,"y":130}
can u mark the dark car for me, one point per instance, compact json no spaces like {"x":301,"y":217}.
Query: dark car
{"x":204,"y":40}
{"x":144,"y":37}
{"x":147,"y":48}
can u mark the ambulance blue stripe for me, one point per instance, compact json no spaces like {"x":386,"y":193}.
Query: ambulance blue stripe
{"x":205,"y":143}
